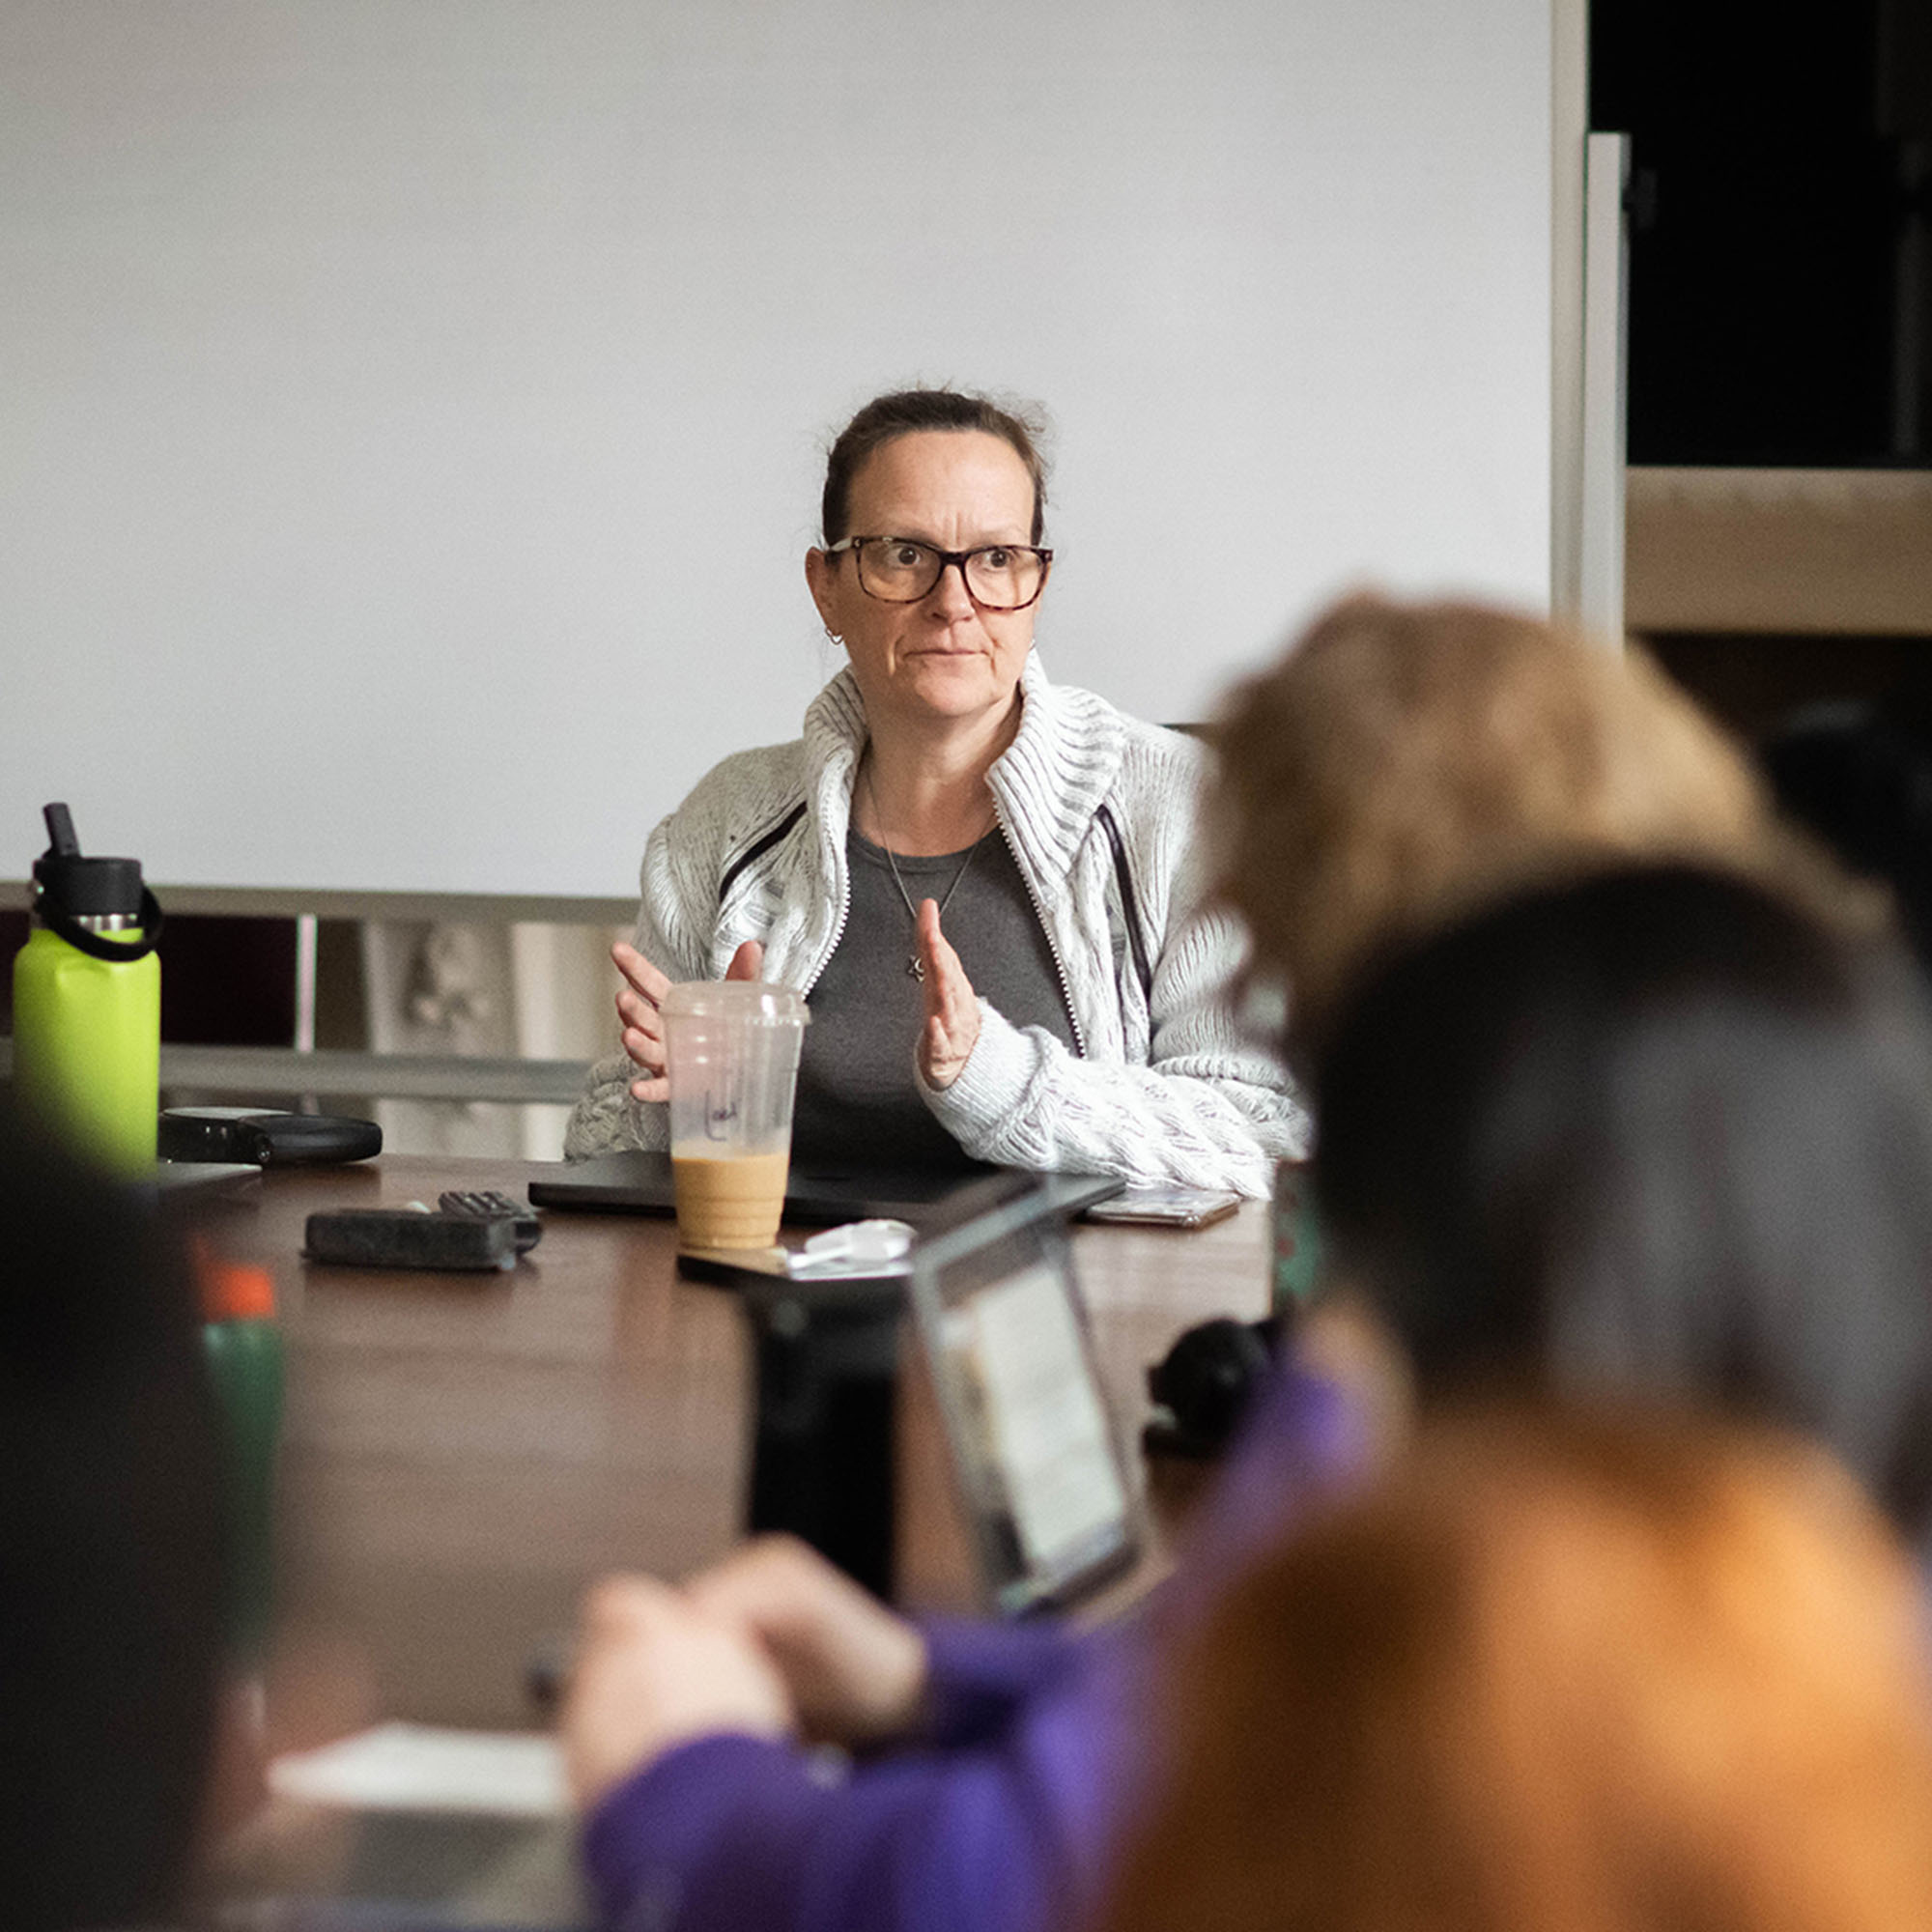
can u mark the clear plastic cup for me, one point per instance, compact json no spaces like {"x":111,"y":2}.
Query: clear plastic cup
{"x":731,"y":1049}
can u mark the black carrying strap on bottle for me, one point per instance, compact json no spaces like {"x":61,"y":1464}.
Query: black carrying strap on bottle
{"x":62,"y":871}
{"x":101,"y":945}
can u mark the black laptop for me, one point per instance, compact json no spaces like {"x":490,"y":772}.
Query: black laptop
{"x":825,"y":1194}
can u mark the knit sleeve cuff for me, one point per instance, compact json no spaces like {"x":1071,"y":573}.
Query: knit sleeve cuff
{"x":992,"y":1086}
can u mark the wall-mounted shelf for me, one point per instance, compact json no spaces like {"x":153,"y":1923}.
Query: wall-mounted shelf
{"x":1845,"y":552}
{"x":331,"y":1074}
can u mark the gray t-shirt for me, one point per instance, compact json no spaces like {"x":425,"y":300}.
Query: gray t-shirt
{"x":857,"y":1100}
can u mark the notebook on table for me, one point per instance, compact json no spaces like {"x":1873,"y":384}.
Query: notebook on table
{"x":825,"y":1194}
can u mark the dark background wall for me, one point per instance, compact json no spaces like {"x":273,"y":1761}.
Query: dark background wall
{"x":1782,"y":179}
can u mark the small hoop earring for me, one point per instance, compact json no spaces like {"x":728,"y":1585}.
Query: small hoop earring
{"x":832,"y":637}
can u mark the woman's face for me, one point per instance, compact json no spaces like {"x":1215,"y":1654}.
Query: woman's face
{"x":942,"y":658}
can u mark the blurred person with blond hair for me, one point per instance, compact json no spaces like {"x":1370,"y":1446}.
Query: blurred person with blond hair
{"x":1555,"y":1672}
{"x":1402,"y":762}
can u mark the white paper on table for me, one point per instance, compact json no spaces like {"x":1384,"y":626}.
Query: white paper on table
{"x":420,"y":1768}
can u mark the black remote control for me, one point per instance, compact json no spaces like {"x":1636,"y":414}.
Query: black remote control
{"x":410,"y":1237}
{"x":487,"y":1204}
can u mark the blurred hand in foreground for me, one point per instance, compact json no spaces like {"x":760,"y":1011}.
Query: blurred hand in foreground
{"x":653,"y":1670}
{"x":855,"y":1670}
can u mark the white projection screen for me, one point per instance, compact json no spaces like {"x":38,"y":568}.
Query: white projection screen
{"x":415,"y":408}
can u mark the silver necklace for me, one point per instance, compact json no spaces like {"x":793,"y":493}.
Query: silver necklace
{"x":915,"y":965}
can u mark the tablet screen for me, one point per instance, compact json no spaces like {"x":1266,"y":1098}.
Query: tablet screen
{"x":1030,"y":1436}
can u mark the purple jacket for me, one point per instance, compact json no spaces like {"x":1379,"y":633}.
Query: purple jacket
{"x":1002,"y":1818}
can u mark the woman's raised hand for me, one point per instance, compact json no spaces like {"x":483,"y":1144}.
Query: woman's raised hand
{"x":638,"y":1002}
{"x":952,"y":1028}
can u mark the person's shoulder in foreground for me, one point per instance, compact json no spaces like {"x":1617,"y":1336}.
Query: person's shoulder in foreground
{"x":1564,"y":1665}
{"x":112,"y":1586}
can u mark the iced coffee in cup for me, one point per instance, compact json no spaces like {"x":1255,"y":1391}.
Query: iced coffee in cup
{"x":732,"y":1050}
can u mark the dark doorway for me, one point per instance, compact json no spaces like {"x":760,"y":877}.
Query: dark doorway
{"x":1780,"y":250}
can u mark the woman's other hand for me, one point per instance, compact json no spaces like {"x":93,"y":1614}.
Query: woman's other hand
{"x":855,"y":1670}
{"x":654,"y":1670}
{"x":638,"y":1002}
{"x":952,"y":1007}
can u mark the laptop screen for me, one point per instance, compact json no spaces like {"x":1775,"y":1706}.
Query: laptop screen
{"x":1040,"y":1470}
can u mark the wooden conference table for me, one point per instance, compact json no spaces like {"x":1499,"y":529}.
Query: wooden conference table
{"x":462,"y":1453}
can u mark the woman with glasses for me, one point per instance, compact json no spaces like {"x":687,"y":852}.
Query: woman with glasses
{"x":985,"y":883}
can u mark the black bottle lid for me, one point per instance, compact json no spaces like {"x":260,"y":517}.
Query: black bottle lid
{"x":84,"y":888}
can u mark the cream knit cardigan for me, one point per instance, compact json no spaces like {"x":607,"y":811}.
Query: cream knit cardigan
{"x":1163,"y":1087}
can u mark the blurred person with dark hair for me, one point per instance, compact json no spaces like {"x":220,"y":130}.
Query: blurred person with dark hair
{"x":111,"y":1553}
{"x":1653,"y":1130}
{"x":1555,"y":1672}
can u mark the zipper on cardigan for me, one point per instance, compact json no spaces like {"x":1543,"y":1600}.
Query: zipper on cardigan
{"x":757,"y":849}
{"x":838,"y":930}
{"x":1059,"y":965}
{"x":1129,"y":909}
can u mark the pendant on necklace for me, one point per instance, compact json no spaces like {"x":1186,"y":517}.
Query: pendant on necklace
{"x":916,"y":966}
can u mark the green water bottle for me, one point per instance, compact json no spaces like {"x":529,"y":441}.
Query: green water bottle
{"x":245,"y":1360}
{"x":87,"y":1005}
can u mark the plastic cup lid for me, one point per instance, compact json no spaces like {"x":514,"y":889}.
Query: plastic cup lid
{"x":746,"y":1002}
